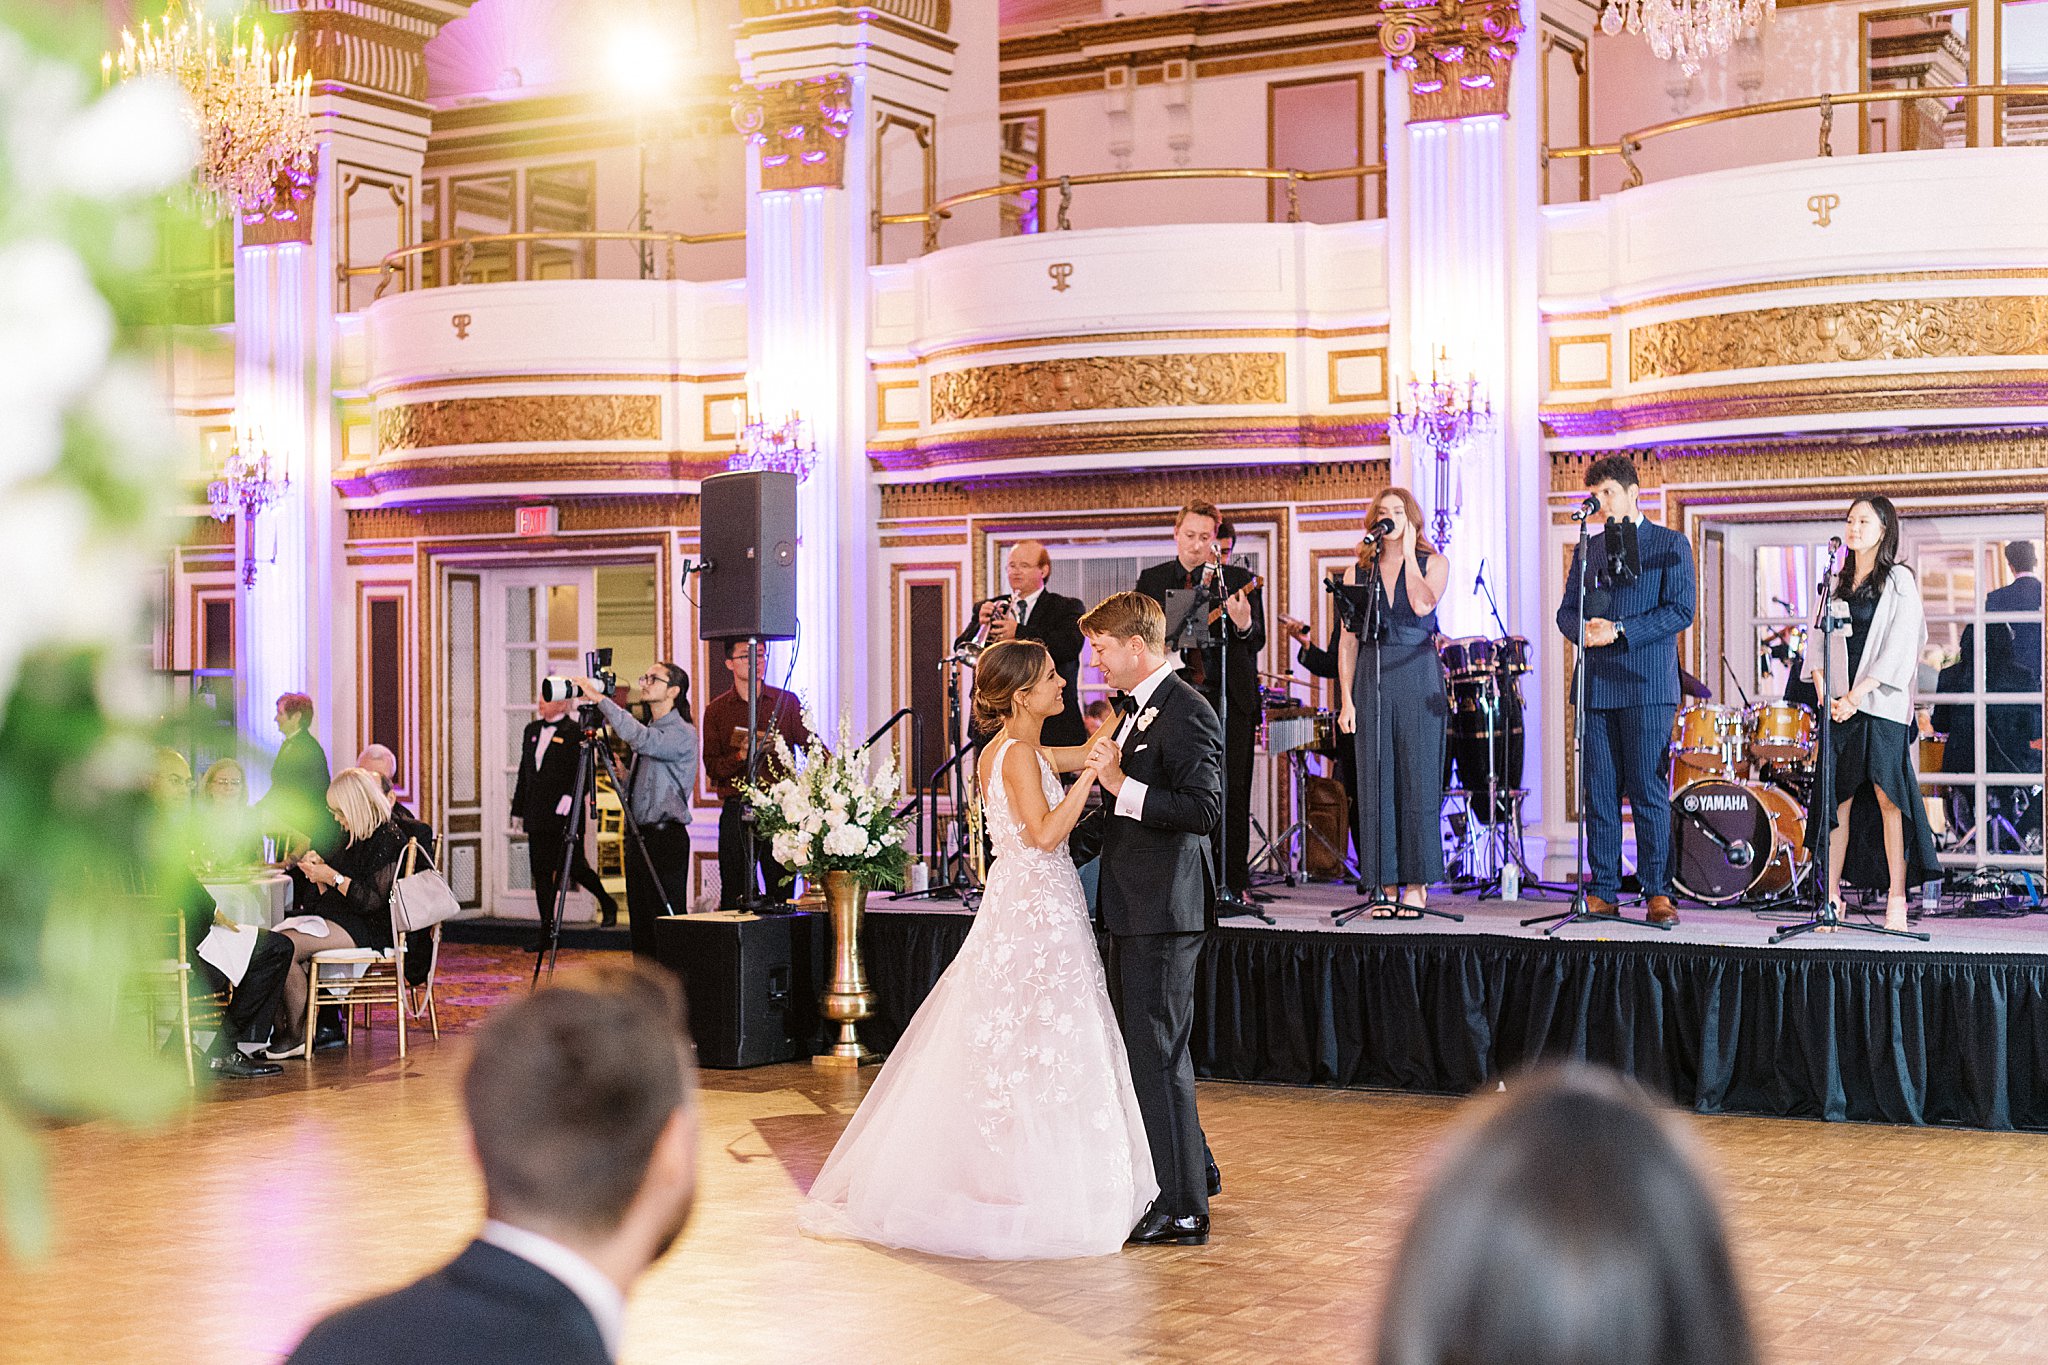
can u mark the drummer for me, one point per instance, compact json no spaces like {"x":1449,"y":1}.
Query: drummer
{"x":1390,"y":693}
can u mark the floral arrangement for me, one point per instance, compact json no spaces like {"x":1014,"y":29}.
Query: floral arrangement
{"x":833,"y":811}
{"x":85,"y":478}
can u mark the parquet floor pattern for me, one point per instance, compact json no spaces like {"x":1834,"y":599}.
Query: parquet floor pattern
{"x":221,"y":1237}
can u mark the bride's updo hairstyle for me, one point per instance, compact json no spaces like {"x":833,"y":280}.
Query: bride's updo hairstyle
{"x":1002,"y":671}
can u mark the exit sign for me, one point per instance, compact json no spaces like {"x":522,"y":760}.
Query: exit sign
{"x":537,"y":521}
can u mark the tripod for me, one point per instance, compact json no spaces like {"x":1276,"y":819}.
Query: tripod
{"x":1373,"y":631}
{"x":955,"y":846}
{"x":590,"y":751}
{"x":1827,"y":915}
{"x":1581,"y":907}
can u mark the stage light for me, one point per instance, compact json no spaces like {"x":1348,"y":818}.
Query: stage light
{"x":642,"y":62}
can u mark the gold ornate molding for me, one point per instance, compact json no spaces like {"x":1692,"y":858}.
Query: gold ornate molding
{"x":1918,"y":391}
{"x":1173,"y":437}
{"x":1345,"y":482}
{"x":1458,"y":54}
{"x":524,"y":419}
{"x":579,"y":515}
{"x":800,"y":128}
{"x":936,"y":15}
{"x":383,"y":56}
{"x":1831,"y":461}
{"x":1084,"y":383}
{"x":1836,"y":333}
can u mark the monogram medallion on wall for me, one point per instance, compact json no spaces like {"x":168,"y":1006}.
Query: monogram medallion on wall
{"x":1081,"y":383}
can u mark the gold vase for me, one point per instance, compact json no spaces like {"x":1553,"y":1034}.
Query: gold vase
{"x":847,"y":999}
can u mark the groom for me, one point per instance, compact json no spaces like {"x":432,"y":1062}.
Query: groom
{"x":1162,"y":764}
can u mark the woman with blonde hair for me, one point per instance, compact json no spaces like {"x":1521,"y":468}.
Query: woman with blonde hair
{"x":1005,"y":1125}
{"x":351,"y":905}
{"x":1391,"y":674}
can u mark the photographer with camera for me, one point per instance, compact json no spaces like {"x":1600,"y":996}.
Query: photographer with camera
{"x":657,"y":793}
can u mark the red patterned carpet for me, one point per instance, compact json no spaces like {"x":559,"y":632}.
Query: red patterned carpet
{"x":474,"y":978}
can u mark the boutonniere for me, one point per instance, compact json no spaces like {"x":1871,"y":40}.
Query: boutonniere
{"x":1146,"y":718}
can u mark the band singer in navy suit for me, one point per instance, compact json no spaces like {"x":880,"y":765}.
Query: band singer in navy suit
{"x":1640,"y":596}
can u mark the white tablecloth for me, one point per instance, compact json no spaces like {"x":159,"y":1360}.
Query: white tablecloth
{"x":261,"y":901}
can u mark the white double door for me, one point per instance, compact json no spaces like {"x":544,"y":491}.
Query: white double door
{"x":537,"y":622}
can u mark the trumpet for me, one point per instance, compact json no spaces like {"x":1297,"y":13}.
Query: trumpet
{"x":1000,"y":608}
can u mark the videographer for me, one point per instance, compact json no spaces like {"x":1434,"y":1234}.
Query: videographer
{"x":658,"y":793}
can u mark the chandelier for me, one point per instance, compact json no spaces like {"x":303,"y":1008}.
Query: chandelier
{"x":251,"y":113}
{"x":786,"y":448}
{"x":250,"y":482}
{"x":1688,"y":30}
{"x":1442,"y":414}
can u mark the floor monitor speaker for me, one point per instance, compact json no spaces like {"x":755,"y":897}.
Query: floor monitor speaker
{"x":751,"y":982}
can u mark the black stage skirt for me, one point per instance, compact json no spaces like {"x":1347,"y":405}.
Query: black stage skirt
{"x":1871,"y":754}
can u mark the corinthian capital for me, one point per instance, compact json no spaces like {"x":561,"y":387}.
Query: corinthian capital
{"x":1458,"y":54}
{"x":800,"y":127}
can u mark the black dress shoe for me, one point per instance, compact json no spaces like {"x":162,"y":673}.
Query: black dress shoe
{"x":238,"y":1065}
{"x":327,"y":1037}
{"x":1215,"y":1179}
{"x":608,"y":915}
{"x":1156,"y":1229}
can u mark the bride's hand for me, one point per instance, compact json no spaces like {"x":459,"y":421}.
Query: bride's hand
{"x":1347,"y":718}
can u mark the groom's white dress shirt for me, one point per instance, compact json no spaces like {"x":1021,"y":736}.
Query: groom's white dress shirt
{"x":1130,"y":802}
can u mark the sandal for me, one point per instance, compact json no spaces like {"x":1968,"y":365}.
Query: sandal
{"x":1383,"y":912}
{"x":1406,"y":911}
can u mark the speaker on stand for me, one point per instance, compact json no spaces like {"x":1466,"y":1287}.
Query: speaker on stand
{"x":748,"y":543}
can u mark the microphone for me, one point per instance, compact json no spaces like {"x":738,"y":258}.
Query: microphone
{"x":1834,"y":549}
{"x":1783,"y":603}
{"x":1479,"y":577}
{"x":1379,"y":531}
{"x":1587,"y":507}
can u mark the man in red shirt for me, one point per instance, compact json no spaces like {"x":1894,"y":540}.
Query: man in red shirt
{"x":725,"y":762}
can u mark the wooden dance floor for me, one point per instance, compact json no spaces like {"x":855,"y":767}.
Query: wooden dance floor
{"x":220,"y":1237}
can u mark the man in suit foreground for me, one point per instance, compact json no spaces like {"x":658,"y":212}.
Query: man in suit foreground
{"x":1638,"y":599}
{"x":581,"y":1107}
{"x":549,"y":749}
{"x":1162,"y":766}
{"x":1032,"y":611}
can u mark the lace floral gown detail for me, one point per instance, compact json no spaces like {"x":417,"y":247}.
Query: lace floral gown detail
{"x":1004,"y":1124}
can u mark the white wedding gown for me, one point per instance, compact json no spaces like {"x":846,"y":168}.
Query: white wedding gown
{"x":1004,"y":1125}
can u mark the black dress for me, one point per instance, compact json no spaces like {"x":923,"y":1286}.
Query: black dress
{"x":1872,"y":754}
{"x":1400,"y":802}
{"x":371,"y":865}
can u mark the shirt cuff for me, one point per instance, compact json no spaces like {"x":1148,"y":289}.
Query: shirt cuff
{"x":1130,"y":802}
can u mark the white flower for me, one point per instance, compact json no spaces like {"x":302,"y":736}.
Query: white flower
{"x":136,"y":139}
{"x":846,"y":841}
{"x":55,"y":330}
{"x":61,"y":588}
{"x":788,"y":848}
{"x":1145,"y":721}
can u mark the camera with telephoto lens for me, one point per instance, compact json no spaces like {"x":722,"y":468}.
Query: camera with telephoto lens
{"x":597,"y":664}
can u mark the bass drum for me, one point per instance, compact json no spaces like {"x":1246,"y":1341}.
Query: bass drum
{"x":1736,"y":840}
{"x":1487,"y":730}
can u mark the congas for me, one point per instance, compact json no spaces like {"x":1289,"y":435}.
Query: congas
{"x":1466,"y":660}
{"x":1736,"y":840}
{"x":1780,"y":734}
{"x":1486,"y":740}
{"x":1511,"y":656}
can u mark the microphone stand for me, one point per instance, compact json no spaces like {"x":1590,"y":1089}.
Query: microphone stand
{"x":1376,"y":905}
{"x":1827,"y":915}
{"x":1496,"y":755}
{"x":1581,"y":907}
{"x":1229,"y":901}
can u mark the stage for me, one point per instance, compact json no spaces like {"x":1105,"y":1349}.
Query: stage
{"x":1844,"y":1025}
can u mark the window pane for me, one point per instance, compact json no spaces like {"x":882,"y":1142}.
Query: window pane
{"x":481,"y":205}
{"x":519,"y":615}
{"x":562,"y":616}
{"x":519,"y":677}
{"x":561,"y":199}
{"x":430,"y":231}
{"x":1948,"y":579}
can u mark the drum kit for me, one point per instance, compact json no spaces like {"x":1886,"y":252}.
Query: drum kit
{"x":1741,"y":778}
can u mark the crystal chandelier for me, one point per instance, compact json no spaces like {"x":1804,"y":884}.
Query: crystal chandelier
{"x":251,"y":113}
{"x":1442,"y":414}
{"x":787,"y":448}
{"x":1687,"y":30}
{"x":250,"y":482}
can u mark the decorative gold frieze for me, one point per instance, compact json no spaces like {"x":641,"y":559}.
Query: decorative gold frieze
{"x":936,"y":15}
{"x":1458,"y":54}
{"x":579,"y":515}
{"x":1829,"y":460}
{"x":1916,"y":391}
{"x":1836,"y":333}
{"x":1343,"y":482}
{"x":524,"y":419}
{"x":1082,"y":383}
{"x":799,"y":127}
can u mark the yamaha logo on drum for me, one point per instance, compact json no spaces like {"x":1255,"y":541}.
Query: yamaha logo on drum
{"x":1729,"y":802}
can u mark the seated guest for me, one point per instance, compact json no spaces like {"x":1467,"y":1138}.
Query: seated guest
{"x":383,"y":764}
{"x":581,"y":1107}
{"x":351,"y":901}
{"x":1570,"y":1227}
{"x":228,"y":835}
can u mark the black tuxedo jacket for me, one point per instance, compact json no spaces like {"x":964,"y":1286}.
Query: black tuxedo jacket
{"x":1243,"y":649}
{"x":486,"y":1307}
{"x":538,"y":792}
{"x":1054,"y":622}
{"x":1158,"y":873}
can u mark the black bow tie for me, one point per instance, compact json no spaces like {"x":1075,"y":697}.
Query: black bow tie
{"x":1125,"y":704}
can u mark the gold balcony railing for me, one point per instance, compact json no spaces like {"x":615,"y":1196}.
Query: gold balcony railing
{"x":1631,"y":143}
{"x":400,"y":265}
{"x":939,"y":212}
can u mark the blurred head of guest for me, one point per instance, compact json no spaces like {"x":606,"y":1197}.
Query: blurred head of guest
{"x":173,"y":784}
{"x":1568,"y":1226}
{"x":379,"y":760}
{"x":225,"y":784}
{"x":1097,"y":715}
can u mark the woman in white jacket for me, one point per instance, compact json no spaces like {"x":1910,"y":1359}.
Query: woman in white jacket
{"x":1871,"y":667}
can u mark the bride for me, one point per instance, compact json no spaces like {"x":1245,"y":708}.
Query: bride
{"x":1004,"y":1125}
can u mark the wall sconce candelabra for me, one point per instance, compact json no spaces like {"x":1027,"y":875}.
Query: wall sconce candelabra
{"x":786,"y":446}
{"x":1442,"y":413}
{"x":250,"y":481}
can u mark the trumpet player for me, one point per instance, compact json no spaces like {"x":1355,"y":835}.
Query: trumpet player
{"x":1032,"y":611}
